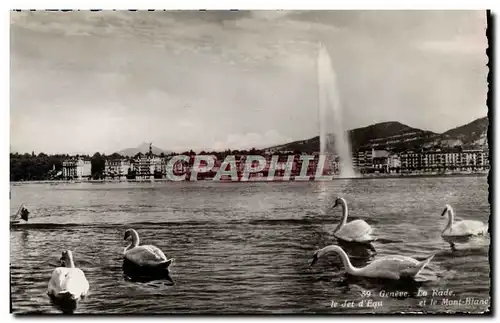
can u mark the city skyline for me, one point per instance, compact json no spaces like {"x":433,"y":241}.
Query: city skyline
{"x":105,"y":81}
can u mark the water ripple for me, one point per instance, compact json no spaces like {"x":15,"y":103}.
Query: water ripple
{"x":244,"y":248}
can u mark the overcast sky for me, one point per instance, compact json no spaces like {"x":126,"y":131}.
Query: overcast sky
{"x":104,"y":81}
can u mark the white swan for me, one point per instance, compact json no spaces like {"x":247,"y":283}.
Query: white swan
{"x":68,"y":284}
{"x":460,"y":231}
{"x":22,"y":213}
{"x":146,"y":255}
{"x":354,"y":231}
{"x":388,"y":267}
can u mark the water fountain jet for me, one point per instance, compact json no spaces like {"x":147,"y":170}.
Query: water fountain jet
{"x":333,"y":139}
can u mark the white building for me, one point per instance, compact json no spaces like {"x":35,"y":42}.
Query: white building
{"x":146,"y":167}
{"x":441,"y":161}
{"x":117,"y":168}
{"x":76,"y":168}
{"x":394,"y":163}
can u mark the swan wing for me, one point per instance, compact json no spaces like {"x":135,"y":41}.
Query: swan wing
{"x":466,"y":228}
{"x":76,"y":283}
{"x":68,"y":280}
{"x":146,"y":255}
{"x":414,"y":270}
{"x":57,"y":280}
{"x":392,"y":267}
{"x":395,"y":262}
{"x":355,"y":231}
{"x":381,"y":268}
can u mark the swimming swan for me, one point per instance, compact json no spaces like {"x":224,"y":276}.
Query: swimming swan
{"x":388,"y":267}
{"x":354,"y":231}
{"x":68,"y":284}
{"x":460,"y":231}
{"x":146,"y":255}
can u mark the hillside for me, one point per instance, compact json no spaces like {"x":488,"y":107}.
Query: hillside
{"x":391,"y":134}
{"x":142,"y":148}
{"x":397,"y":136}
{"x":471,"y":134}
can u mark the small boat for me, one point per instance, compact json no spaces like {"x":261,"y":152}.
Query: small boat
{"x":21,"y":214}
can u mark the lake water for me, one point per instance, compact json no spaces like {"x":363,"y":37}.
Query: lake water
{"x":246,"y":247}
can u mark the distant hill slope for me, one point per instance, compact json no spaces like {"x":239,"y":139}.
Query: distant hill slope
{"x":393,"y":134}
{"x":474,"y":133}
{"x":142,"y":148}
{"x":397,"y":136}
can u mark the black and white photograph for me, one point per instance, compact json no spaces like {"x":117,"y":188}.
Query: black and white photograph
{"x":248,"y":162}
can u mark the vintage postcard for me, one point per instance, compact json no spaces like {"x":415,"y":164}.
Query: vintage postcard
{"x":249,"y":162}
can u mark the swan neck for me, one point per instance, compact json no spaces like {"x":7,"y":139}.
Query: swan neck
{"x":135,"y":240}
{"x":70,"y":262}
{"x":343,"y":204}
{"x":350,"y":269}
{"x":347,"y":263}
{"x":451,"y":218}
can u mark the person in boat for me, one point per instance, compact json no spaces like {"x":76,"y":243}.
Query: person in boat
{"x":22,"y":213}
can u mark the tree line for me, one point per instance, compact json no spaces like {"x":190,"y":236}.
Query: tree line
{"x":32,"y":167}
{"x":40,"y":167}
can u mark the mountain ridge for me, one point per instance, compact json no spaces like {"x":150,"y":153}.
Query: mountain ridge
{"x":142,"y":148}
{"x":394,"y":135}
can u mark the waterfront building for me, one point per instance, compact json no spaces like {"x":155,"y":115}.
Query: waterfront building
{"x":394,"y":163}
{"x":436,"y":160}
{"x":355,"y":161}
{"x":410,"y":161}
{"x":364,"y":160}
{"x":443,"y":161}
{"x":148,"y":167}
{"x":117,"y":168}
{"x":475,"y":159}
{"x":371,"y":160}
{"x":380,"y":161}
{"x":76,"y":168}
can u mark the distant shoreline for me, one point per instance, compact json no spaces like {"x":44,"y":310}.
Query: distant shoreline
{"x":252,"y":180}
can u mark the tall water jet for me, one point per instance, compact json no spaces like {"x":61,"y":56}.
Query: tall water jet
{"x":333,"y":138}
